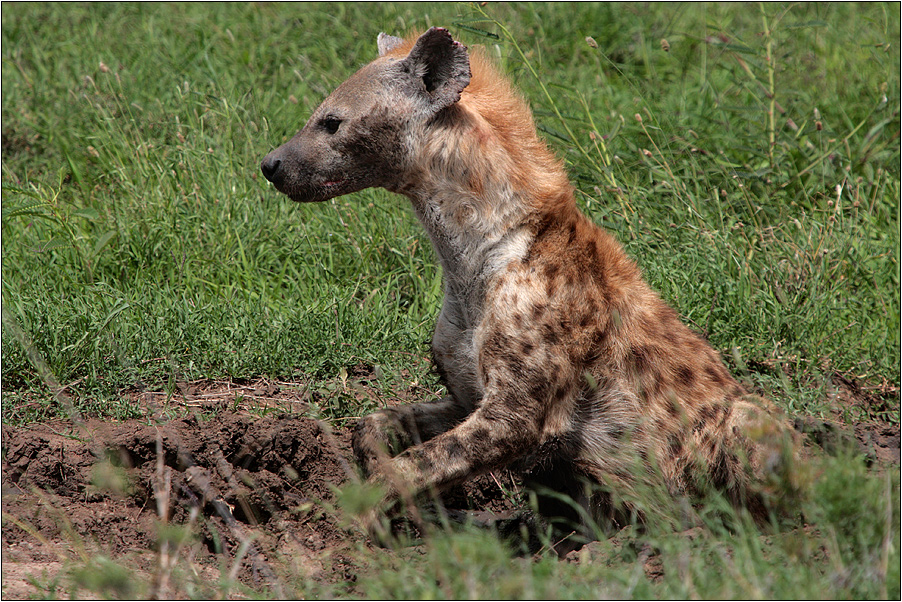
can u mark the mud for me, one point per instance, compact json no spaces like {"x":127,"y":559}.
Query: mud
{"x":257,"y":489}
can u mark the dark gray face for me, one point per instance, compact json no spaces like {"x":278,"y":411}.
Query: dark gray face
{"x":351,"y":142}
{"x":359,"y":136}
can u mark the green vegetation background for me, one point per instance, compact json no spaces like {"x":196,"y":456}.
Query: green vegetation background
{"x":140,"y":244}
{"x":747,"y":156}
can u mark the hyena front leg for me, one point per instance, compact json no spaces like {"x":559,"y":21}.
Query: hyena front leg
{"x":387,"y":433}
{"x":492,"y":436}
{"x":384,"y":434}
{"x":506,"y":425}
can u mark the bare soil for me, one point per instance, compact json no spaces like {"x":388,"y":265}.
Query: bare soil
{"x":259,"y":489}
{"x":255,"y":489}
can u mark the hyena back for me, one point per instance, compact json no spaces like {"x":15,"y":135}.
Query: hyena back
{"x":557,"y":356}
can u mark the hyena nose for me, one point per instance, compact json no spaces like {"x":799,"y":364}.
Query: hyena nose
{"x":270,"y":168}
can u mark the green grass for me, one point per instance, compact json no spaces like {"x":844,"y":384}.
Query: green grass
{"x":752,"y":169}
{"x":849,"y":555}
{"x":140,"y":245}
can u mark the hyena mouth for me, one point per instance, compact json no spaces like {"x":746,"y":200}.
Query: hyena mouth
{"x":333,"y":183}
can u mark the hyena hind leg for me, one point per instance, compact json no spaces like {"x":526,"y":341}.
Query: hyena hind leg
{"x":385,"y":434}
{"x":775,"y":479}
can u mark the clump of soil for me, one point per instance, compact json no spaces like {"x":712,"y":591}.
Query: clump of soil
{"x":256,"y":492}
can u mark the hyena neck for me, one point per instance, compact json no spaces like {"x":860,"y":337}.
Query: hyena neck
{"x":479,"y":188}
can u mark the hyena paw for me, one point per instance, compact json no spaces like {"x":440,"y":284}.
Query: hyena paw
{"x":377,"y":438}
{"x":397,"y":480}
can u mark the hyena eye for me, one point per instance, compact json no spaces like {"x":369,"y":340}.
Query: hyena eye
{"x":330,"y":124}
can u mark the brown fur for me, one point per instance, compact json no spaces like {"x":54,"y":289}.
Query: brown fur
{"x":558,"y":357}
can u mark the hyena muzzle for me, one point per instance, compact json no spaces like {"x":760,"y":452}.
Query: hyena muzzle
{"x":558,"y":359}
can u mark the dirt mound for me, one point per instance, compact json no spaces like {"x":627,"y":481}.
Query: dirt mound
{"x":202,"y":506}
{"x":879,"y":441}
{"x":257,"y":494}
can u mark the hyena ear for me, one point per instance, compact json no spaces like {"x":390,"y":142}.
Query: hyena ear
{"x":387,"y":43}
{"x":443,"y":65}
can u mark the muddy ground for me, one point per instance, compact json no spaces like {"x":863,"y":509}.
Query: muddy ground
{"x":256,"y":488}
{"x":254,"y":484}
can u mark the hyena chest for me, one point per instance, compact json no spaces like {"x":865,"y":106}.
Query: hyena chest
{"x":471,"y":264}
{"x":455,"y":351}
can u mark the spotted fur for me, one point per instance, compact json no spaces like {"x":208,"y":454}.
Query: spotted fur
{"x":558,"y":358}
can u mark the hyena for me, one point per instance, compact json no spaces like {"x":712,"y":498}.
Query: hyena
{"x":557,"y":357}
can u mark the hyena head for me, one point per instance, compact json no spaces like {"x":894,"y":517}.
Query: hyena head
{"x":365,"y":133}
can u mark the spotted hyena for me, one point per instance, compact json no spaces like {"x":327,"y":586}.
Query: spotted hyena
{"x":557,"y":356}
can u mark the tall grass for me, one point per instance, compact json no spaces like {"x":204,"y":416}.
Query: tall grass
{"x":759,"y":195}
{"x":851,"y":552}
